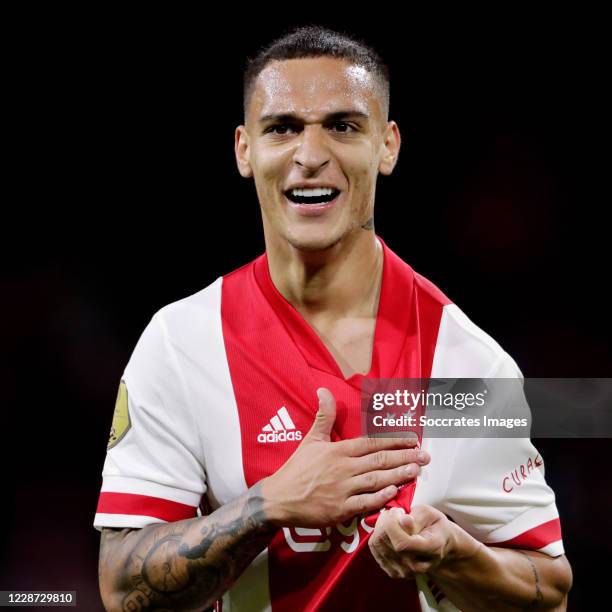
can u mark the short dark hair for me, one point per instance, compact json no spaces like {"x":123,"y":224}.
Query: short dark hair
{"x":317,"y":41}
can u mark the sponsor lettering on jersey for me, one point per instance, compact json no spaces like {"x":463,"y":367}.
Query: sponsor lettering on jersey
{"x":520,"y":473}
{"x":345,"y":536}
{"x":281,"y":428}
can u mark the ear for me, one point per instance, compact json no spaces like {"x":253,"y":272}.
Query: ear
{"x":391,"y":147}
{"x":242,"y":150}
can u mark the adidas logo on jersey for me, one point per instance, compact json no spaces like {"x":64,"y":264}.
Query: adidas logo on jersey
{"x":280,"y":429}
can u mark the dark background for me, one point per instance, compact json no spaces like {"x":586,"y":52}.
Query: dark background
{"x":124,"y":197}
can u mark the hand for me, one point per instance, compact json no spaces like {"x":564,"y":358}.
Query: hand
{"x":324,"y":482}
{"x":417,"y":543}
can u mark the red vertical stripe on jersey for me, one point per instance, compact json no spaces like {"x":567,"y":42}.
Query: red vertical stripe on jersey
{"x":276,"y":360}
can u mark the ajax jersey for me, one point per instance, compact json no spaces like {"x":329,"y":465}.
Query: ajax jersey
{"x":220,"y":390}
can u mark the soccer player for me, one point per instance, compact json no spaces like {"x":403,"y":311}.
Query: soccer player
{"x":237,"y":469}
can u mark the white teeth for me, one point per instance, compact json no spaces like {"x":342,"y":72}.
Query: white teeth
{"x":312,"y":193}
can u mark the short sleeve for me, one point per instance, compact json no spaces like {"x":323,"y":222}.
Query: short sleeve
{"x":154,"y":470}
{"x":497,"y":491}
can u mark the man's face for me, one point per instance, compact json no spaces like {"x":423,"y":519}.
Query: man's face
{"x":315,"y":139}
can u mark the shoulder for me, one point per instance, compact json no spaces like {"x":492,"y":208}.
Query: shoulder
{"x":199,"y":311}
{"x":177,"y":329}
{"x":187,"y":315}
{"x":464,"y":350}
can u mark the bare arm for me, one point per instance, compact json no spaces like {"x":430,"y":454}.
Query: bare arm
{"x":185,"y":565}
{"x":506,"y":579}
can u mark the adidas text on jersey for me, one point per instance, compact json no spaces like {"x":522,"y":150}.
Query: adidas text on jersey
{"x":280,"y":429}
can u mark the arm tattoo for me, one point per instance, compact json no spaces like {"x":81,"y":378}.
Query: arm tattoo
{"x":538,"y":594}
{"x":191,"y":563}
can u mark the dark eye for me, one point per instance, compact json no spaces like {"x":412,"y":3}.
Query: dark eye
{"x":342,"y":127}
{"x":281,"y":129}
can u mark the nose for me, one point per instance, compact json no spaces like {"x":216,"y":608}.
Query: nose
{"x":312,"y":153}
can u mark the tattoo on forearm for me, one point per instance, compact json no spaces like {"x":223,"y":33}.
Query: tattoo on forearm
{"x":538,"y":594}
{"x":193,"y":562}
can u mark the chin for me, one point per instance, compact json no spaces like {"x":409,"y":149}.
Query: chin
{"x":310,"y":242}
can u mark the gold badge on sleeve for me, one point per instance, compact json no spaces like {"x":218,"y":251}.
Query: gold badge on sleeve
{"x":121,"y":417}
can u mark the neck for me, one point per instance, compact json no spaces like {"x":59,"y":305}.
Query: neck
{"x":343,"y":280}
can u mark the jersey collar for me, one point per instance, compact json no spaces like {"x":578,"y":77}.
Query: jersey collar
{"x":395,"y":308}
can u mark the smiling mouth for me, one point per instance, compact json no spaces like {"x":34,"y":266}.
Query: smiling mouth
{"x":318,"y":195}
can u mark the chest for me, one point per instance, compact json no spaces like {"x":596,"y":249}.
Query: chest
{"x":350,"y":341}
{"x":255,"y":376}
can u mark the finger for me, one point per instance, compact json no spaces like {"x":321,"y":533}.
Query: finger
{"x":407,"y":523}
{"x":407,"y":554}
{"x":379,"y":538}
{"x":399,"y":538}
{"x":420,"y":517}
{"x":385,"y":556}
{"x":379,"y":479}
{"x":405,"y":535}
{"x":383,"y":550}
{"x":369,"y":502}
{"x":388,"y":459}
{"x":357,"y":447}
{"x":325,"y":417}
{"x":380,"y":554}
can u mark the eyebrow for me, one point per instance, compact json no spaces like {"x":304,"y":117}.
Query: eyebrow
{"x":331,"y":117}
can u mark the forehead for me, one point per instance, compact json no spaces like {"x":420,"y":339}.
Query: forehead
{"x":312,"y":86}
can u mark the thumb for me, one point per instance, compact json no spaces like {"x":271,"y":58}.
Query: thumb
{"x":419,"y":518}
{"x":326,"y":416}
{"x":409,"y":524}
